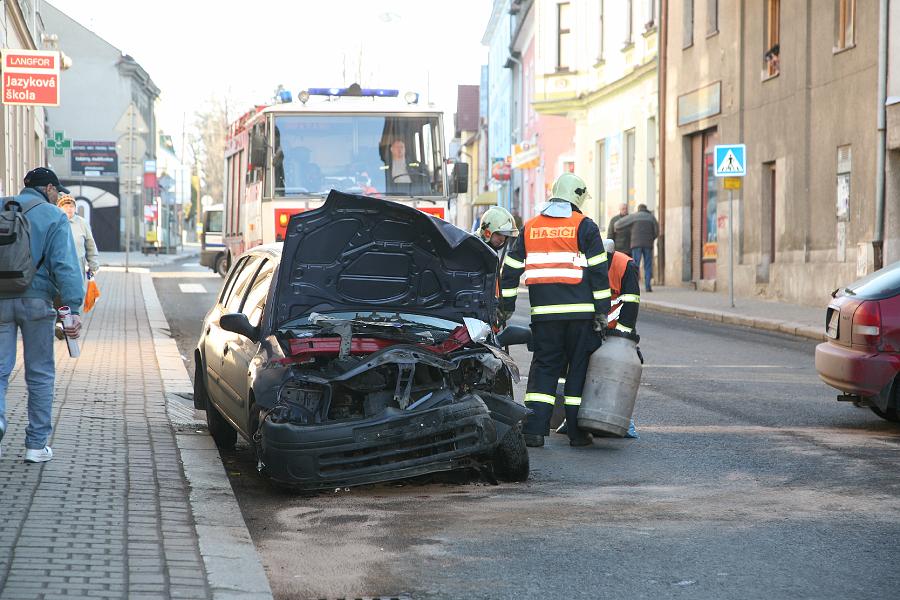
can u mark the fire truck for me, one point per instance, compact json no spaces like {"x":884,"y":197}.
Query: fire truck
{"x":284,"y":158}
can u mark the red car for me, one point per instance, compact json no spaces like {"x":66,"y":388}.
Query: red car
{"x":862,"y":355}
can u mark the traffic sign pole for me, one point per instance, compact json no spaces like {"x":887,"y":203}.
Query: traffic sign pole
{"x":731,"y":163}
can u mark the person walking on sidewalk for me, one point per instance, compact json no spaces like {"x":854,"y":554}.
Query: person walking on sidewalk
{"x":622,"y":238}
{"x":85,"y":246}
{"x":644,"y":230}
{"x":28,"y":306}
{"x":565,"y":266}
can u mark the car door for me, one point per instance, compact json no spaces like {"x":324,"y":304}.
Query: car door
{"x":216,"y":338}
{"x":241,"y":350}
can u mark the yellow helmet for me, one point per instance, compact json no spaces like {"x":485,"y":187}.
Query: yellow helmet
{"x":497,"y":220}
{"x":570,"y":187}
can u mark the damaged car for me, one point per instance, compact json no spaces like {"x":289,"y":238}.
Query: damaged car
{"x":359,"y":351}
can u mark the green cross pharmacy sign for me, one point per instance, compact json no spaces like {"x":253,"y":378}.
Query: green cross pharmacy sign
{"x":58,"y":143}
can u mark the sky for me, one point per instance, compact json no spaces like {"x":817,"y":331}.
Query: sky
{"x":198,"y":49}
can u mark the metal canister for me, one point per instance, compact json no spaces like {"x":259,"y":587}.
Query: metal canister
{"x":611,"y":387}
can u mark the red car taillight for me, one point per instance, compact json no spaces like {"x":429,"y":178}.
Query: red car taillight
{"x":867,"y":325}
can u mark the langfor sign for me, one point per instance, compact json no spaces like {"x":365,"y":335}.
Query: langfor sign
{"x":30,"y":77}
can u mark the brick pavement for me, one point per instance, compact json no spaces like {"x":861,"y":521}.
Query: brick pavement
{"x":109,"y":516}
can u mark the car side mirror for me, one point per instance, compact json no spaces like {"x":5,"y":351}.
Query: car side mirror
{"x":239,"y":324}
{"x":514,"y":335}
{"x":258,"y":150}
{"x":460,"y":184}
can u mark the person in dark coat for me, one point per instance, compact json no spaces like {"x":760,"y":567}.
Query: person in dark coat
{"x":621,"y":238}
{"x":644,"y":229}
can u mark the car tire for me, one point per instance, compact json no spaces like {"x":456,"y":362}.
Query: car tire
{"x":223,"y":434}
{"x":221,"y":266}
{"x":892,"y":413}
{"x":511,"y":457}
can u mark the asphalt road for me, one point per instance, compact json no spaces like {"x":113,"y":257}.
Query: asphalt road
{"x":748,"y":481}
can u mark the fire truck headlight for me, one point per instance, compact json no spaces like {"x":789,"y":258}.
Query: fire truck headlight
{"x":303,"y":96}
{"x":411,"y":97}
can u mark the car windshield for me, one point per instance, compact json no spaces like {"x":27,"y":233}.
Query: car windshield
{"x":381,"y":318}
{"x":881,"y":284}
{"x":359,"y":154}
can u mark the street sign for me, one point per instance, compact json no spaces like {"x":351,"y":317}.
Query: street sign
{"x":30,"y":77}
{"x":131,"y":120}
{"x":732,"y":183}
{"x":58,"y":143}
{"x":731,"y":160}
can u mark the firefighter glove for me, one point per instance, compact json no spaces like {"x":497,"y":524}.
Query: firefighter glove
{"x":503,"y":316}
{"x":600,"y":325}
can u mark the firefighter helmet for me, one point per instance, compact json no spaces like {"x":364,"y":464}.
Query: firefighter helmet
{"x":497,"y":220}
{"x":570,"y":187}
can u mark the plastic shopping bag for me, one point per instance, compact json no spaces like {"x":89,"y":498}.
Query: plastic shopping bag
{"x":91,"y":293}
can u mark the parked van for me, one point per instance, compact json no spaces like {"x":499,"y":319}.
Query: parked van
{"x":212,"y":247}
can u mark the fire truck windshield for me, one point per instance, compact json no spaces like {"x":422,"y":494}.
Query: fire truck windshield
{"x":382,"y":155}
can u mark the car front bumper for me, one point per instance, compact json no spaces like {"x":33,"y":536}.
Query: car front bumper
{"x":859,"y":372}
{"x":393,"y":445}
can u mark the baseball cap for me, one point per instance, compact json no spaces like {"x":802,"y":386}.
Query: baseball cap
{"x":42,"y":176}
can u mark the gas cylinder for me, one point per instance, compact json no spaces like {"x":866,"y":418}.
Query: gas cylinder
{"x":611,"y":387}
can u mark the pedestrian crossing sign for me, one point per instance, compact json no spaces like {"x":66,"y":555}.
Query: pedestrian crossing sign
{"x":730,"y":160}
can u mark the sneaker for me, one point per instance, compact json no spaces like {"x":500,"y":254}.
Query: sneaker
{"x":533,"y":440}
{"x":38,"y":456}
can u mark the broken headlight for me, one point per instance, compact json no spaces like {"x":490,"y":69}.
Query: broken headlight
{"x":301,"y":403}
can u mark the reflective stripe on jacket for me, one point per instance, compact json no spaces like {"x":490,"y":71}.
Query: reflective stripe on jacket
{"x":626,"y":293}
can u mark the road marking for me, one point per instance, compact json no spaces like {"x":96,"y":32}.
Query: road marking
{"x":193,"y":264}
{"x":191,"y":288}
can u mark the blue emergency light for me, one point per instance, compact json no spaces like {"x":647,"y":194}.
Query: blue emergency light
{"x":284,"y":96}
{"x":355,"y":90}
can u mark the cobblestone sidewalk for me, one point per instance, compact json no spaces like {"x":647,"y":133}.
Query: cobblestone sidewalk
{"x":109,"y":516}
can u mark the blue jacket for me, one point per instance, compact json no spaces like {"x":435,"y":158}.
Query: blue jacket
{"x":51,"y":237}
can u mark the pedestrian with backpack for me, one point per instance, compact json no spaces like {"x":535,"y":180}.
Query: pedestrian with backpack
{"x":37,"y":262}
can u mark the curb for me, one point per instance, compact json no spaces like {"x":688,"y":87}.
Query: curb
{"x":787,"y":327}
{"x":232,"y":563}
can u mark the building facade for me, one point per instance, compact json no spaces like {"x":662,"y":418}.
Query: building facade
{"x":22,"y":127}
{"x":798,"y":84}
{"x":499,"y":106}
{"x":98,"y":169}
{"x":596,"y":64}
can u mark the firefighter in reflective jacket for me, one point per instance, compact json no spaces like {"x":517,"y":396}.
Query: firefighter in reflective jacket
{"x":561,"y":254}
{"x":626,"y":293}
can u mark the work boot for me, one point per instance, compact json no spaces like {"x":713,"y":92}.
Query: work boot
{"x":533,"y":440}
{"x":581,"y":438}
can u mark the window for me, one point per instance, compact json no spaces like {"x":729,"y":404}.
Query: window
{"x":844,"y":24}
{"x":256,"y":298}
{"x":650,"y":8}
{"x":564,"y":37}
{"x":687,"y":24}
{"x":226,"y":289}
{"x":600,"y":164}
{"x":601,"y":32}
{"x":213,"y":222}
{"x":629,"y":23}
{"x":651,"y":164}
{"x":712,"y":17}
{"x":630,"y":196}
{"x":235,"y":298}
{"x":772,"y":57}
{"x":844,"y":168}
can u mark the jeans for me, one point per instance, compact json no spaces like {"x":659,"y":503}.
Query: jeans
{"x":644,"y":254}
{"x":35,"y":317}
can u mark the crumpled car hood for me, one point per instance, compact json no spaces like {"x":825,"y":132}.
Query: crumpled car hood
{"x":360,"y":253}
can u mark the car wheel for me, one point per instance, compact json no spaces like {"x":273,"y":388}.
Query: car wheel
{"x":891,"y":413}
{"x":222,"y":265}
{"x":511,"y":456}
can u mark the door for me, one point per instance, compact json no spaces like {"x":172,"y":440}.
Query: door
{"x":240,"y":350}
{"x":704,"y":213}
{"x":216,"y":338}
